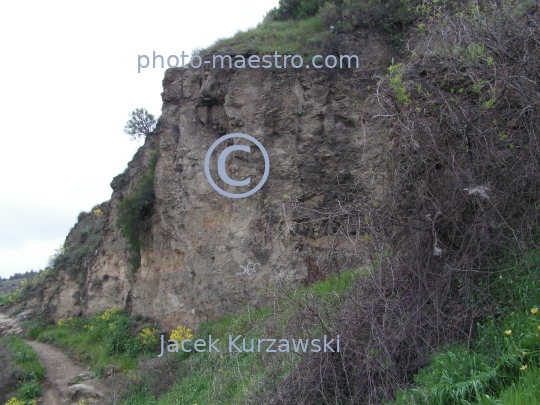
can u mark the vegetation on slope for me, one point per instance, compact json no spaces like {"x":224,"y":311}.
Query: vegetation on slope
{"x":502,"y":364}
{"x":135,"y":210}
{"x":311,"y":27}
{"x":17,"y":293}
{"x":81,"y":245}
{"x":105,"y":339}
{"x":111,"y":338}
{"x":235,"y":378}
{"x":21,"y":374}
{"x":7,"y":285}
{"x":463,"y":194}
{"x":454,"y":244}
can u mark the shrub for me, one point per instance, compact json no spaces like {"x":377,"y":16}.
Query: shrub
{"x":181,"y":333}
{"x":501,"y":358}
{"x":462,"y":190}
{"x":109,"y":337}
{"x":348,"y":15}
{"x":81,"y":244}
{"x":135,"y":210}
{"x":22,"y":371}
{"x":296,"y":9}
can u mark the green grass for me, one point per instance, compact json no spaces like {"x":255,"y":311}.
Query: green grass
{"x":300,"y":37}
{"x":11,"y":297}
{"x":303,"y":27}
{"x":233,"y":378}
{"x":25,"y":366}
{"x":503,"y":362}
{"x":526,"y":390}
{"x":24,"y":285}
{"x":107,"y":338}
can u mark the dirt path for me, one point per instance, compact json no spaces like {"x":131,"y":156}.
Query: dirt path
{"x":61,"y":371}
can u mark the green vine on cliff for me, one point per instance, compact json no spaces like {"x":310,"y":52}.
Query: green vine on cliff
{"x":135,"y":210}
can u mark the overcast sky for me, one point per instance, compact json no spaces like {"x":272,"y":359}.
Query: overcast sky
{"x":68,"y":79}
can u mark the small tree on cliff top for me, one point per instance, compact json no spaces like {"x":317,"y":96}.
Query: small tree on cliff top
{"x":140,"y":124}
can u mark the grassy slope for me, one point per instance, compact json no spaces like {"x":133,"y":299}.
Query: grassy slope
{"x":112,"y":338}
{"x":490,"y":371}
{"x":300,"y":37}
{"x":8,"y":286}
{"x":225,"y":378}
{"x":107,"y":338}
{"x":502,"y":365}
{"x":22,"y":365}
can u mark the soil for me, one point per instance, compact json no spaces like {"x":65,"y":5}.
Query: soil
{"x":60,"y":368}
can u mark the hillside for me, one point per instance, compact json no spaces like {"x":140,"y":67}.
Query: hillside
{"x":188,"y":251}
{"x":400,"y":213}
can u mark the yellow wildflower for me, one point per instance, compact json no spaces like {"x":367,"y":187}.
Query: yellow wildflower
{"x":61,"y":322}
{"x":108,"y":314}
{"x":534,"y":311}
{"x":523,"y":367}
{"x":181,"y":333}
{"x":148,"y":336}
{"x":14,"y":401}
{"x":508,"y":332}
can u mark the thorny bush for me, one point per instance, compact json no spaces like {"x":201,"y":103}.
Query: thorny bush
{"x":464,"y":191}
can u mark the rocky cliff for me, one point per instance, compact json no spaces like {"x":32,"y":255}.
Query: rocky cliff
{"x":205,"y":254}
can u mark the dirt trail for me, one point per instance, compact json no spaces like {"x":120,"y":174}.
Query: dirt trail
{"x":61,"y":370}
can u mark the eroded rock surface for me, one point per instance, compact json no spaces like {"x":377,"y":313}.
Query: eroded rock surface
{"x":8,"y":326}
{"x":206,"y":253}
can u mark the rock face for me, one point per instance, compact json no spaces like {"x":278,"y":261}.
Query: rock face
{"x":8,"y":326}
{"x":79,"y":392}
{"x":205,"y":253}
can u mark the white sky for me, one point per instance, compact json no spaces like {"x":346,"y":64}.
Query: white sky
{"x":68,"y":79}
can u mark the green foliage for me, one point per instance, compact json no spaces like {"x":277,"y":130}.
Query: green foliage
{"x":526,"y":390}
{"x":135,"y":210}
{"x":29,"y":390}
{"x":71,"y":257}
{"x":109,"y":337}
{"x":24,"y":365}
{"x":302,"y":37}
{"x":31,"y":280}
{"x":311,"y":27}
{"x":140,"y":124}
{"x":397,"y":84}
{"x":11,"y":297}
{"x":296,"y":9}
{"x":234,"y":378}
{"x":501,"y":364}
{"x":346,"y":15}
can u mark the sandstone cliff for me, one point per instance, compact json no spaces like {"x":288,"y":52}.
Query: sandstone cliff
{"x":316,"y":126}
